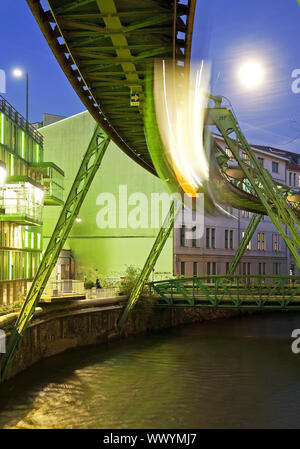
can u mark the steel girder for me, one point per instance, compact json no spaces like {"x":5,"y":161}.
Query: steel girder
{"x":238,"y":292}
{"x":266,"y":190}
{"x":157,"y":247}
{"x":254,"y":222}
{"x":85,"y":175}
{"x":104,"y":48}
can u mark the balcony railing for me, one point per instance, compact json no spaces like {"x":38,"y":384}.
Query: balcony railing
{"x":22,"y":202}
{"x":52,"y":178}
{"x":19,"y":120}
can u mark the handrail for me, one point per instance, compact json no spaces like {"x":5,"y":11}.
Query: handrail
{"x":19,"y":120}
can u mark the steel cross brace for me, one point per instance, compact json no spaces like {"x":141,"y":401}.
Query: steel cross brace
{"x":85,"y":175}
{"x":254,"y":222}
{"x":159,"y":243}
{"x":266,"y":190}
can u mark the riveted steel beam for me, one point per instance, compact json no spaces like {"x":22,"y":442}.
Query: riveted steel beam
{"x":254,"y":222}
{"x":159,"y":243}
{"x":85,"y":175}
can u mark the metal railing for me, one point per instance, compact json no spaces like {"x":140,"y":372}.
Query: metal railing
{"x":97,"y":293}
{"x":221,"y":291}
{"x":65,"y":287}
{"x":19,"y":120}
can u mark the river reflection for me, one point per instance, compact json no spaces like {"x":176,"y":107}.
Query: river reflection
{"x":235,"y":373}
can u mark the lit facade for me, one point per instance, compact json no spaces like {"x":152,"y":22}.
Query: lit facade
{"x":266,"y":252}
{"x":27,"y":183}
{"x":107,"y":251}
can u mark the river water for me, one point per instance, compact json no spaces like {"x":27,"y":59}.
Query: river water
{"x":234,"y":373}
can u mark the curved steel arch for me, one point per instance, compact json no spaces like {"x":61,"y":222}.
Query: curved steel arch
{"x":105,"y":46}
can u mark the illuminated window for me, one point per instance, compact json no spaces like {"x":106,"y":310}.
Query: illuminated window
{"x":249,"y":244}
{"x":275,"y":242}
{"x":261,"y":241}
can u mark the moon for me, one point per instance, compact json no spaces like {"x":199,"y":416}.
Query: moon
{"x":251,"y":74}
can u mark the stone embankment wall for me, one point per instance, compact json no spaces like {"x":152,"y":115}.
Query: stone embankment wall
{"x":56,"y":328}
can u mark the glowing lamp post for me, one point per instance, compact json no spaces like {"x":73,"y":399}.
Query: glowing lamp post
{"x":18,"y":73}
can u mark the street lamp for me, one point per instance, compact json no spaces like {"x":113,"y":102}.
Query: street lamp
{"x":18,"y":73}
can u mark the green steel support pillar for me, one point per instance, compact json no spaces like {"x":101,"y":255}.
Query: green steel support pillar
{"x":254,"y":222}
{"x":159,"y":243}
{"x":266,"y":190}
{"x":85,"y":175}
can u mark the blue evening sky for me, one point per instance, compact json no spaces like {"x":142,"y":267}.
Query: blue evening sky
{"x":226,"y":32}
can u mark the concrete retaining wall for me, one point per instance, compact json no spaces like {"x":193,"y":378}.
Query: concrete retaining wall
{"x":56,"y":328}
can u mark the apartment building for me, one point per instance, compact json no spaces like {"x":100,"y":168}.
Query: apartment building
{"x":213,"y":252}
{"x":27,"y":184}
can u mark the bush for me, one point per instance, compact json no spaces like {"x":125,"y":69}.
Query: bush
{"x":127,"y":284}
{"x":88,"y":285}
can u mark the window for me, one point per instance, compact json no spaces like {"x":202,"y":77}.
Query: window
{"x":195,"y":268}
{"x":246,"y":268}
{"x":275,"y":242}
{"x":249,"y":244}
{"x":261,"y":241}
{"x":182,"y":236}
{"x":275,"y":167}
{"x":213,"y":238}
{"x":261,"y":160}
{"x":194,"y":241}
{"x":227,"y":266}
{"x":211,"y":268}
{"x":292,"y":269}
{"x":210,"y":238}
{"x":182,"y":268}
{"x":207,"y":237}
{"x":295,"y":179}
{"x":276,"y":268}
{"x":245,"y":214}
{"x":231,"y":239}
{"x":262,"y":268}
{"x":290,"y":179}
{"x":228,"y":152}
{"x":245,"y":156}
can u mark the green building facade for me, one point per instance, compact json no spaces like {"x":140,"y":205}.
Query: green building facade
{"x":26,"y":185}
{"x":110,"y":233}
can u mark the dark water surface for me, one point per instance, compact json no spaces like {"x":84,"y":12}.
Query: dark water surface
{"x":237,"y":373}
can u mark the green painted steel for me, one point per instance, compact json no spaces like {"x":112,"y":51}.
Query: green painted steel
{"x":254,"y":222}
{"x":110,"y":44}
{"x":272,"y":198}
{"x":85,"y":175}
{"x":150,"y":262}
{"x":234,"y":292}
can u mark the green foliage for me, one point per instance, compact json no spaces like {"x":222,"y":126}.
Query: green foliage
{"x":11,"y":307}
{"x":127,"y":284}
{"x":88,"y":285}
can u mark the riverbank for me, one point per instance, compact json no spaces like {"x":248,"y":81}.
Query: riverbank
{"x":57,"y":328}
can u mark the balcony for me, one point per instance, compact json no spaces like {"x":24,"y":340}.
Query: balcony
{"x":52,"y":178}
{"x":7,"y":109}
{"x":3,"y":175}
{"x":22,"y":201}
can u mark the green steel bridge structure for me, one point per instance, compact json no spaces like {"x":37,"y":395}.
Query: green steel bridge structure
{"x":107,"y":50}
